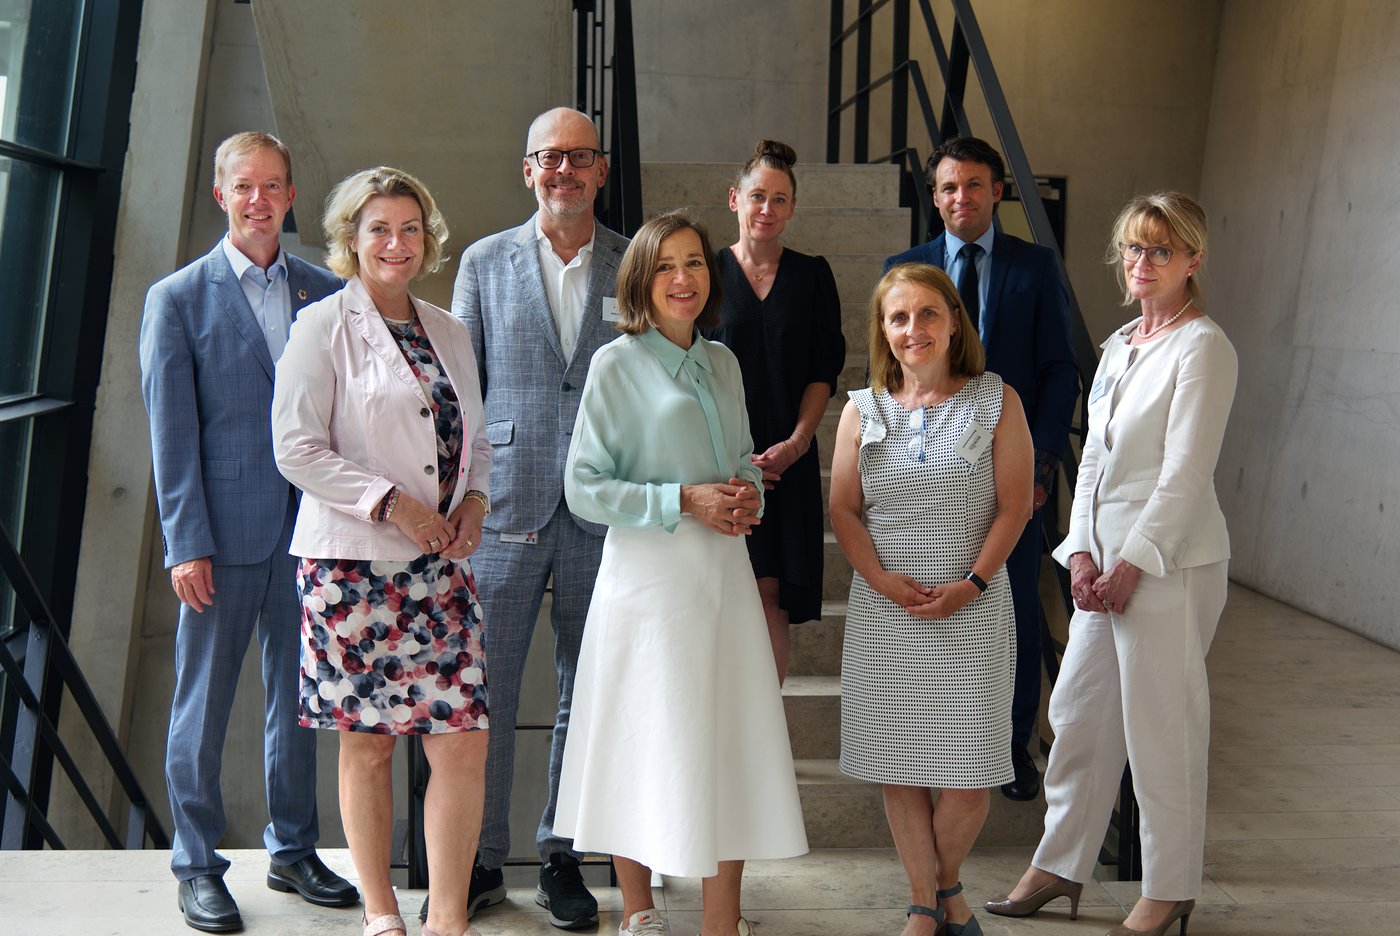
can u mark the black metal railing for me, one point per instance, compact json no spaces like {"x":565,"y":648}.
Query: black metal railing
{"x":964,"y":51}
{"x":47,"y":664}
{"x":605,"y":85}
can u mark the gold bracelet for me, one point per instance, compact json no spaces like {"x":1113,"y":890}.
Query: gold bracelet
{"x":480,"y":498}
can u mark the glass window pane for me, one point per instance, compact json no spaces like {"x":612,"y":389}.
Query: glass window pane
{"x":14,"y":476}
{"x":38,"y":59}
{"x":28,"y":206}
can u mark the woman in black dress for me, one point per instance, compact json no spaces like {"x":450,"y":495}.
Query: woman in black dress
{"x":782,"y":319}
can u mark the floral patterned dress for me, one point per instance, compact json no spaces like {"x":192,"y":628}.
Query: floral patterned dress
{"x":397,"y":647}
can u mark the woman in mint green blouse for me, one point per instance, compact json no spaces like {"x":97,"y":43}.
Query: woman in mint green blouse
{"x":677,"y":756}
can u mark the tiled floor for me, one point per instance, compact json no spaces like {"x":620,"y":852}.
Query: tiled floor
{"x":1303,"y":835}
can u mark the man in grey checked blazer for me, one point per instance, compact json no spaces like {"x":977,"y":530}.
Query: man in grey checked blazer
{"x":207,"y":356}
{"x":538,"y":300}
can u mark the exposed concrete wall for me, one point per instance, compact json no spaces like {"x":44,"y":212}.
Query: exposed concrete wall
{"x":1301,"y":185}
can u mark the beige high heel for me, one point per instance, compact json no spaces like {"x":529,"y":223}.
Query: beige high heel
{"x":1025,"y":906}
{"x":1181,"y":910}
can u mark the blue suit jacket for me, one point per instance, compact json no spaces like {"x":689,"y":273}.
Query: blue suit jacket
{"x":530,"y":391}
{"x":1026,"y":321}
{"x":206,"y":377}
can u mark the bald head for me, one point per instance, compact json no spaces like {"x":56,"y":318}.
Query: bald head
{"x":560,"y":122}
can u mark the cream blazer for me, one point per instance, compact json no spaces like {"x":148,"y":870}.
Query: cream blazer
{"x":1146,"y":488}
{"x":350,"y":420}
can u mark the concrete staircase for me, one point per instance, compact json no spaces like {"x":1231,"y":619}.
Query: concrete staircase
{"x":850,"y":215}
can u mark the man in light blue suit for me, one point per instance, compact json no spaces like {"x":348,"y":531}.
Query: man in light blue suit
{"x":1014,"y":295}
{"x":210,"y":335}
{"x":539,"y":300}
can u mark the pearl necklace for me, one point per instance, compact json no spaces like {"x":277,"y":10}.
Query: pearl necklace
{"x":1148,"y":334}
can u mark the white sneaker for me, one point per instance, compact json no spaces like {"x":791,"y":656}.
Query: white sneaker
{"x":645,"y":923}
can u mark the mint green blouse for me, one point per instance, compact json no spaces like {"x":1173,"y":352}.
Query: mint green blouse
{"x":653,"y":417}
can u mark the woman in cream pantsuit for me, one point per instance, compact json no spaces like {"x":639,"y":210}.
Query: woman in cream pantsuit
{"x":1147,"y":552}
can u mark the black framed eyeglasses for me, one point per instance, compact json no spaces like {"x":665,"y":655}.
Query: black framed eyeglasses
{"x":1157,"y":256}
{"x":553,"y":158}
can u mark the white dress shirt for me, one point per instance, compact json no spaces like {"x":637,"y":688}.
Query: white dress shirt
{"x":566,"y":285}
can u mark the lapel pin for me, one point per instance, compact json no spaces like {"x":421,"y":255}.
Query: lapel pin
{"x":301,"y":294}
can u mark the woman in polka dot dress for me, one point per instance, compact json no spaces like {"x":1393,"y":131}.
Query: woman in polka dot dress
{"x":930,"y":489}
{"x":377,"y":418}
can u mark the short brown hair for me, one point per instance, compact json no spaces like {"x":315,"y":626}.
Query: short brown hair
{"x":1161,"y":216}
{"x":634,"y":276}
{"x":349,"y":198}
{"x":249,"y":141}
{"x":965,"y":355}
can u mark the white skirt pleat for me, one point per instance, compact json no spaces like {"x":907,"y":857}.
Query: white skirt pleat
{"x":678,"y":755}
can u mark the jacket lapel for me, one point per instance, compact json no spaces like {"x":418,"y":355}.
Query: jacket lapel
{"x":368,"y":324}
{"x":602,"y":281}
{"x":1001,"y":263}
{"x":525,"y":264}
{"x":229,"y":296}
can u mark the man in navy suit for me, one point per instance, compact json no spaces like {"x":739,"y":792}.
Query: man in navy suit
{"x":539,"y":299}
{"x":210,"y":335}
{"x":1015,"y":297}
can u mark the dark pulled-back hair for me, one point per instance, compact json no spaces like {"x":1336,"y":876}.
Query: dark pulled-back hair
{"x":634,"y":312}
{"x":770,"y":154}
{"x":965,"y":149}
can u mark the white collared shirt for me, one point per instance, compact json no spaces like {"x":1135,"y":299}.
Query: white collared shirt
{"x":268,"y":294}
{"x":566,"y":285}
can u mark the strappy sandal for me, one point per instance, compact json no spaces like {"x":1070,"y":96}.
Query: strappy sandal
{"x":384,"y":923}
{"x":935,"y":912}
{"x":969,"y":928}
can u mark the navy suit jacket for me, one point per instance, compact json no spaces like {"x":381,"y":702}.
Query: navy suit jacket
{"x":206,"y":377}
{"x":531,"y":392}
{"x":1026,"y":323}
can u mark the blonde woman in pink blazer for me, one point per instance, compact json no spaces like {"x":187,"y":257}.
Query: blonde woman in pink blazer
{"x":377,"y":418}
{"x":1147,"y":553}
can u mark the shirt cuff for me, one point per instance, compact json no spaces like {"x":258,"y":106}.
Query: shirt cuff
{"x":670,"y":506}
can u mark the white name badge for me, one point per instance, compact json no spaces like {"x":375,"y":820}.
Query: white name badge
{"x":529,"y":539}
{"x":610,"y":309}
{"x":974,"y":442}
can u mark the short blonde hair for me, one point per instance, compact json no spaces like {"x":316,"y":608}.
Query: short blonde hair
{"x":1169,"y":217}
{"x":634,"y":312}
{"x":240,"y":144}
{"x":348,"y":199}
{"x":965,"y":355}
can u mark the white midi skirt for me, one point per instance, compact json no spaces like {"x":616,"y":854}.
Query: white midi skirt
{"x":677,"y":755}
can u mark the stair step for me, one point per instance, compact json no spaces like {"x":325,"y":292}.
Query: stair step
{"x":857,"y":273}
{"x":819,"y":185}
{"x":813,"y":708}
{"x":881,"y":231}
{"x":841,"y":812}
{"x":816,"y":645}
{"x":836,"y":570}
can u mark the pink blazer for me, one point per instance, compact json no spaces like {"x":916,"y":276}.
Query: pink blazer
{"x":350,"y":421}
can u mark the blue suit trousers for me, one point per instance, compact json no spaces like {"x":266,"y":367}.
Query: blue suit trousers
{"x":209,"y":652}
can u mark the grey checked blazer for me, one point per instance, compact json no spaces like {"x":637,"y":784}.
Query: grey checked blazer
{"x":206,"y":376}
{"x":531,"y":393}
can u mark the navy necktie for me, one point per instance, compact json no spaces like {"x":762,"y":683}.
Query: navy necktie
{"x":967,"y":282}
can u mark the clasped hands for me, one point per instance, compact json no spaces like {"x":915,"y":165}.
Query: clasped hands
{"x":1104,"y":593}
{"x":455,"y":537}
{"x":776,"y":459}
{"x":730,"y":508}
{"x":930,"y":603}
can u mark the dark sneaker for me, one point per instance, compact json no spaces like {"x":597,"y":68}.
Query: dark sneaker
{"x":488,"y":888}
{"x":563,"y":894}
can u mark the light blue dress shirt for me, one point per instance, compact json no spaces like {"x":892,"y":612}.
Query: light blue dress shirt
{"x":953,"y":263}
{"x":268,"y":294}
{"x":653,"y":417}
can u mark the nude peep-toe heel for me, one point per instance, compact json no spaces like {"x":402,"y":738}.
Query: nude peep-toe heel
{"x":1181,"y":910}
{"x":1025,"y":906}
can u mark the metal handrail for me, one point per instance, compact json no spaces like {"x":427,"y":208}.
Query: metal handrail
{"x":966,"y":48}
{"x":47,"y":656}
{"x":605,"y":69}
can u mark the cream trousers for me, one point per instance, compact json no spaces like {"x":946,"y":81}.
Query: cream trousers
{"x":1133,"y":686}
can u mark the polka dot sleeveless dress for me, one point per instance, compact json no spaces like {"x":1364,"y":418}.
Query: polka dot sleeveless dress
{"x":928,"y":703}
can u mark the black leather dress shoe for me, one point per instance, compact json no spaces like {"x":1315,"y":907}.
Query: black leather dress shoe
{"x":1026,"y":786}
{"x":208,"y":906}
{"x":316,"y":883}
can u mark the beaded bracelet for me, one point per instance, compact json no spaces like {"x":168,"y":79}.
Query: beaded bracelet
{"x":480,"y":498}
{"x":387,"y":505}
